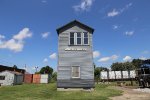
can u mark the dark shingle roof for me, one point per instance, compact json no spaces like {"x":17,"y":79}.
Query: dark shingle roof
{"x":74,"y":22}
{"x":3,"y":68}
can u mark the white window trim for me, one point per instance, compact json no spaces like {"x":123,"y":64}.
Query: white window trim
{"x":74,"y":39}
{"x":88,"y":38}
{"x":72,"y":71}
{"x":82,"y":38}
{"x":77,"y":38}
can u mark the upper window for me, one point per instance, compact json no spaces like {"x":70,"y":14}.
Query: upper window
{"x":75,"y":72}
{"x":2,"y":77}
{"x":79,"y":38}
{"x":72,"y":38}
{"x":86,"y":38}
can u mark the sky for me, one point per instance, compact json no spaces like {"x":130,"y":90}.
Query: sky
{"x":28,"y":34}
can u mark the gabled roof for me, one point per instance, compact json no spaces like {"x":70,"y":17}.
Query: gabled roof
{"x":72,"y":23}
{"x":13,"y":72}
{"x":3,"y":68}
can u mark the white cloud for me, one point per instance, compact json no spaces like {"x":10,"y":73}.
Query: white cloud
{"x":24,"y":33}
{"x":115,"y":27}
{"x":16,"y":44}
{"x":114,"y":57}
{"x":45,"y":35}
{"x":44,"y":1}
{"x":13,"y":45}
{"x":45,"y":60}
{"x":105,"y":59}
{"x":2,"y":36}
{"x":96,"y":54}
{"x":127,"y":58}
{"x":143,"y":58}
{"x":126,"y":7}
{"x":53,"y":56}
{"x":129,"y":33}
{"x":113,"y":13}
{"x":85,"y":5}
{"x":145,"y":52}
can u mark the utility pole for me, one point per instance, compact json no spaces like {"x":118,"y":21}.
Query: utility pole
{"x":36,"y":67}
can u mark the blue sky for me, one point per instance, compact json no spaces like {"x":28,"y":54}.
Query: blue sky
{"x":28,"y":30}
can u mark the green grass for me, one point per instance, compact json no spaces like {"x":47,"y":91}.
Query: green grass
{"x":49,"y":92}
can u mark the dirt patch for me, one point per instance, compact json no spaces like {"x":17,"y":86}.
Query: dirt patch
{"x":130,"y":94}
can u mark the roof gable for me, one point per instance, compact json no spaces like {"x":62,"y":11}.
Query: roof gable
{"x":12,"y":72}
{"x":3,"y":68}
{"x":73,"y":23}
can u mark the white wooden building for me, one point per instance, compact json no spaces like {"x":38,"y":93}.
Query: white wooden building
{"x":10,"y":78}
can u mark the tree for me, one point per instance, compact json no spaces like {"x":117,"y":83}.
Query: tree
{"x":122,"y":66}
{"x":128,"y":66}
{"x":15,"y":67}
{"x":137,"y":63}
{"x":46,"y":70}
{"x":117,"y":66}
{"x":54,"y":76}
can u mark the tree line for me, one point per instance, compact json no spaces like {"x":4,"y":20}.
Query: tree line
{"x":48,"y":70}
{"x":121,"y":66}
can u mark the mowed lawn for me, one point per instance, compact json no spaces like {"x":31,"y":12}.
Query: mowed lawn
{"x":49,"y":92}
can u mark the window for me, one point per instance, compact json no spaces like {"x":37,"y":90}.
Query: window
{"x":75,"y":72}
{"x":85,"y":38}
{"x":78,"y":38}
{"x":2,"y":77}
{"x":72,"y":38}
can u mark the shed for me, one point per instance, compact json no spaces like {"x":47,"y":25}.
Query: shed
{"x":45,"y":78}
{"x":28,"y":78}
{"x":36,"y":78}
{"x":75,"y":56}
{"x":10,"y":78}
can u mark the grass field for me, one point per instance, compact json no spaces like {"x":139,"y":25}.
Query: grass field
{"x":49,"y":92}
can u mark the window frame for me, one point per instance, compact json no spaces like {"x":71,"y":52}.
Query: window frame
{"x":76,"y":34}
{"x":86,"y":37}
{"x":70,"y":37}
{"x":72,"y":72}
{"x":76,"y":39}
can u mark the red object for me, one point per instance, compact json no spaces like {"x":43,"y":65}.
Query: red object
{"x":28,"y":78}
{"x":36,"y":78}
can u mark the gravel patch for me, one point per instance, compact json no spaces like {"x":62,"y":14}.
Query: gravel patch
{"x":147,"y":90}
{"x":133,"y":94}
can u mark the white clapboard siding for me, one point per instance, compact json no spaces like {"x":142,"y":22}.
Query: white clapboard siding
{"x":67,"y":59}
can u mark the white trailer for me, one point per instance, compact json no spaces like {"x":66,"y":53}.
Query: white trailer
{"x":104,"y":75}
{"x":118,"y":74}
